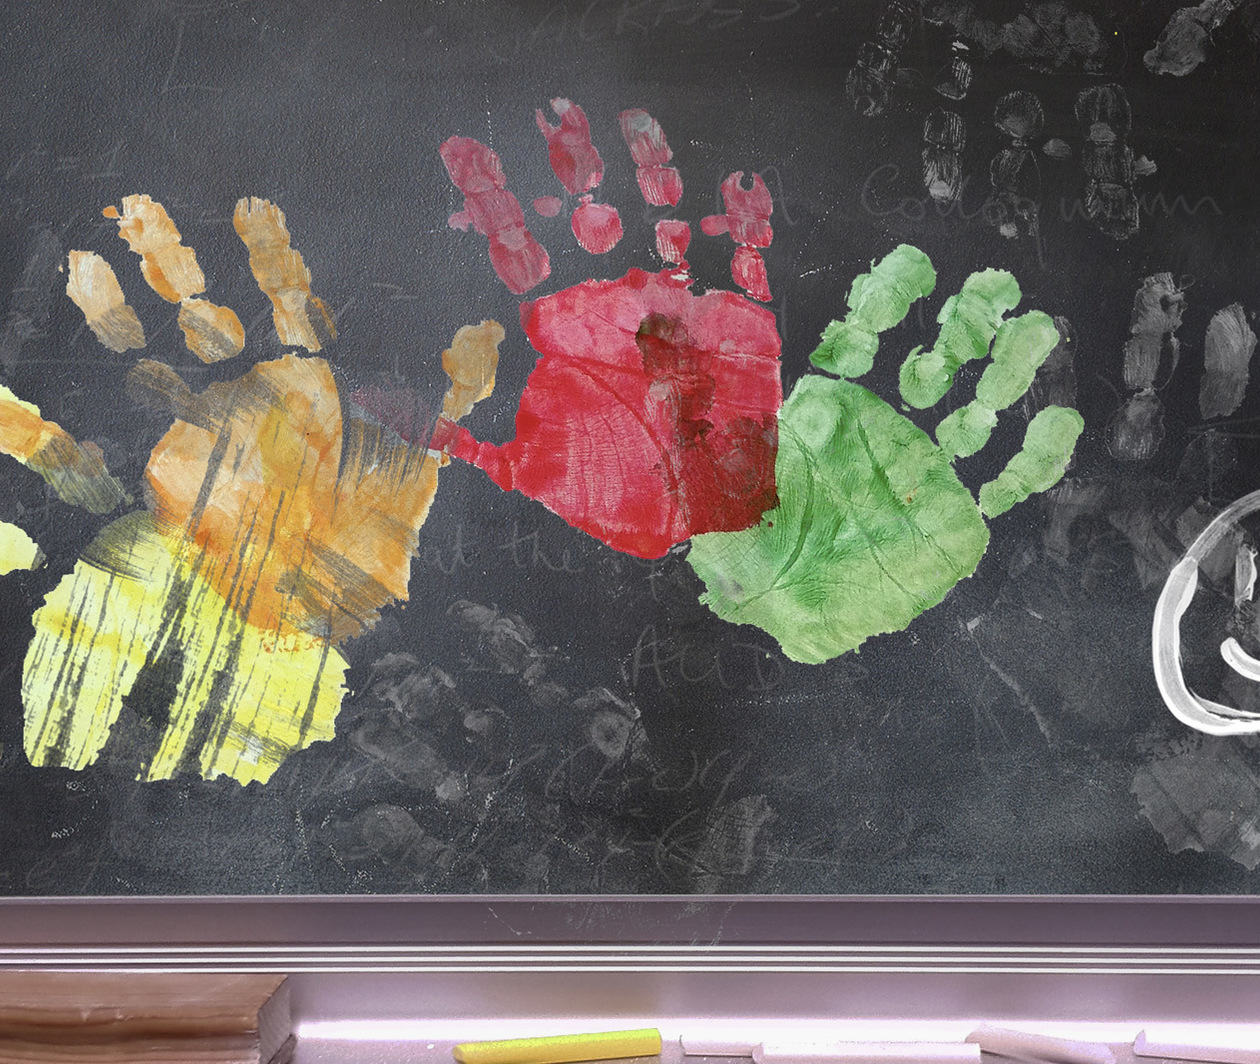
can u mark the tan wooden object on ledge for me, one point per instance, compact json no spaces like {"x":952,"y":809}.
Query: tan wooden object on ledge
{"x":66,"y":1017}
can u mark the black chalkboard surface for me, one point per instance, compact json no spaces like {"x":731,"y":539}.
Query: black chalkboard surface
{"x":543,"y":703}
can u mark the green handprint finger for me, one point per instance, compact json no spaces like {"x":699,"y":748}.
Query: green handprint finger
{"x":1039,"y":464}
{"x":968,"y":322}
{"x":877,"y":301}
{"x":1022,"y":344}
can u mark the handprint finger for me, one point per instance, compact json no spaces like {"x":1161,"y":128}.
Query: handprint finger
{"x":877,"y":301}
{"x":660,"y":183}
{"x":212,"y":333}
{"x":75,"y":471}
{"x":578,"y":167}
{"x":1039,"y":464}
{"x":969,"y":321}
{"x":1020,"y":347}
{"x":747,"y":221}
{"x":490,"y":208}
{"x":18,"y":552}
{"x":282,"y":275}
{"x":93,"y":287}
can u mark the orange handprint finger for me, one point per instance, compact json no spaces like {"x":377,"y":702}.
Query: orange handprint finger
{"x":75,"y":471}
{"x":95,"y":290}
{"x":213,"y":333}
{"x":578,"y":167}
{"x":282,"y":275}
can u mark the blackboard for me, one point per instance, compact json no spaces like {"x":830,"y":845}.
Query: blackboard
{"x":549,"y":715}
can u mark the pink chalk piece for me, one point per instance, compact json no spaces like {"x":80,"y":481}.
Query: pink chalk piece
{"x":1020,"y":1045}
{"x":748,"y":270}
{"x":547,"y":206}
{"x":597,"y":226}
{"x":1145,"y":1047}
{"x":661,"y":185}
{"x":519,"y":260}
{"x":574,"y":159}
{"x":868,"y":1052}
{"x":748,"y":211}
{"x":672,"y":240}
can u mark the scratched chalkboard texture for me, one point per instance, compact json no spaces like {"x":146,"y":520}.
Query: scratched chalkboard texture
{"x":547,"y":714}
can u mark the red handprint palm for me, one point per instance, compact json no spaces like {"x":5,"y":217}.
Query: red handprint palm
{"x":651,"y":413}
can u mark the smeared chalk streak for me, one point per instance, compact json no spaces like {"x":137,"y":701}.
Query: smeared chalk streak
{"x":1227,"y":350}
{"x":17,"y":550}
{"x":95,"y":290}
{"x":881,"y":1052}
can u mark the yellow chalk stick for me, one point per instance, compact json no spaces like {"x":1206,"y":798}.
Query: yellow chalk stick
{"x":562,"y":1049}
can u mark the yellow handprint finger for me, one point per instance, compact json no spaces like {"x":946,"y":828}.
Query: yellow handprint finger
{"x":213,"y":333}
{"x":96,"y":291}
{"x":17,"y":550}
{"x":281,"y":274}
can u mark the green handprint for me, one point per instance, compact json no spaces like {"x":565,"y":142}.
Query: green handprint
{"x":873,"y":525}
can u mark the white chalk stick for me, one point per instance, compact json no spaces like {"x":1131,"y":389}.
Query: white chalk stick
{"x":716,"y":1047}
{"x":876,"y":1052}
{"x":1144,"y":1047}
{"x":1020,"y":1045}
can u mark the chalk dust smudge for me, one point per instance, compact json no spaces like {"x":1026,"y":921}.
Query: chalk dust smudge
{"x":1014,"y":173}
{"x":650,"y":415}
{"x":490,"y":208}
{"x":30,"y":302}
{"x":547,"y":206}
{"x":1182,"y":46}
{"x":1227,"y":350}
{"x":282,"y":275}
{"x":1048,"y":36}
{"x":945,"y":134}
{"x":873,"y":77}
{"x":747,"y":222}
{"x":75,"y":471}
{"x":1137,"y":429}
{"x":95,"y":290}
{"x":1204,"y":797}
{"x":17,"y":550}
{"x":1111,"y":169}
